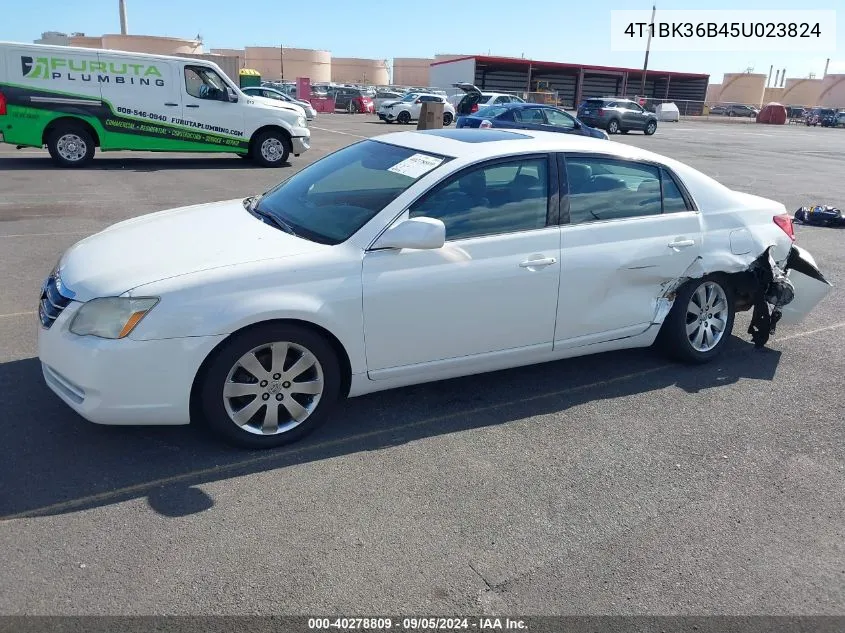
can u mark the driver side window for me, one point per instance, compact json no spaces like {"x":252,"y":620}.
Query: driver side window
{"x":503,"y":197}
{"x":204,"y":83}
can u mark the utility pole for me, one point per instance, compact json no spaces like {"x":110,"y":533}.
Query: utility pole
{"x":647,"y":49}
{"x":282,"y":58}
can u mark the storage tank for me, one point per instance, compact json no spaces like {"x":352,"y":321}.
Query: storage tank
{"x":713,"y":92}
{"x":833,"y":92}
{"x":411,"y":71}
{"x":776,"y":95}
{"x":801,"y":92}
{"x":296,"y":62}
{"x":744,"y":88}
{"x":357,"y":70}
{"x":152,"y":44}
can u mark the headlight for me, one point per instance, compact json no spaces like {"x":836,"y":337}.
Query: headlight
{"x":301,"y":121}
{"x":111,"y":317}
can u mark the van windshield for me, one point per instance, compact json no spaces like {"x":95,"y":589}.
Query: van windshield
{"x":330,"y":200}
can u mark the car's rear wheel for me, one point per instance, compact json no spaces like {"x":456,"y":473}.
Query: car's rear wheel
{"x":651,"y":128}
{"x":701,"y":320}
{"x":270,"y":385}
{"x":613,"y":127}
{"x":70,"y":146}
{"x":404,"y":117}
{"x":447,"y":119}
{"x":272,"y":149}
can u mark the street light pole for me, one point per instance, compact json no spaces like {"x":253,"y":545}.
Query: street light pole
{"x":647,"y":49}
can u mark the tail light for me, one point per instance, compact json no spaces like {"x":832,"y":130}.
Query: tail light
{"x":2,"y":104}
{"x":474,"y":107}
{"x":485,"y":124}
{"x":418,"y":101}
{"x":784,"y":221}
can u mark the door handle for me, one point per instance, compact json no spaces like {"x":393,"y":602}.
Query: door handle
{"x":171,"y":104}
{"x":192,"y":105}
{"x":682,"y":244}
{"x":537,"y":263}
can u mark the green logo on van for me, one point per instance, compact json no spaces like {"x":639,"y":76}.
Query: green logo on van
{"x":59,"y":67}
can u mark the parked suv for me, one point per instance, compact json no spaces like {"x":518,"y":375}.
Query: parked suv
{"x":735,"y":109}
{"x":617,"y":115}
{"x":353,"y":99}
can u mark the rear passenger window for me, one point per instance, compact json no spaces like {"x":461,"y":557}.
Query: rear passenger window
{"x":606,"y":189}
{"x":673,"y":199}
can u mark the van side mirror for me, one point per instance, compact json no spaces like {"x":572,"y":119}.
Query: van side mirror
{"x":417,"y":233}
{"x":232,"y":95}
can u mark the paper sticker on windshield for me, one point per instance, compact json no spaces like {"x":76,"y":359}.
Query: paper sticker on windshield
{"x":416,"y":165}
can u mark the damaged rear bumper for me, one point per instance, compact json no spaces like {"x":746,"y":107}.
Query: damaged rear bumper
{"x":783,"y":294}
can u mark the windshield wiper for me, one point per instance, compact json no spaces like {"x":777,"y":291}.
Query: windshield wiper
{"x":279,"y":223}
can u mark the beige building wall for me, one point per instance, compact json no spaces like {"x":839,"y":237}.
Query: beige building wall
{"x":833,"y":92}
{"x":713,"y":92}
{"x":152,"y":44}
{"x":411,"y":71}
{"x":747,"y":88}
{"x":804,"y":92}
{"x":355,"y":69}
{"x":86,"y":41}
{"x":298,"y":62}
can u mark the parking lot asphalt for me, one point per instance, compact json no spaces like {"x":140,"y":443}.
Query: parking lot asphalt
{"x":613,"y":484}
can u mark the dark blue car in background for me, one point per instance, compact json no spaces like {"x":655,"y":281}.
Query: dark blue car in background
{"x":528,"y":116}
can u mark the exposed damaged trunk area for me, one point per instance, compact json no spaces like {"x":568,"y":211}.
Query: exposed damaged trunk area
{"x":769,"y":290}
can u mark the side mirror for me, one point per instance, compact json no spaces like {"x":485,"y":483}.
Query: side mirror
{"x":417,"y":233}
{"x":232,"y":95}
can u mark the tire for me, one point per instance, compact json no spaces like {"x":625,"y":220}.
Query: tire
{"x":673,"y":337}
{"x":613,"y":126}
{"x":447,"y":119}
{"x":271,"y":149}
{"x":651,"y":128}
{"x":404,"y":117}
{"x":256,"y":347}
{"x":70,"y":145}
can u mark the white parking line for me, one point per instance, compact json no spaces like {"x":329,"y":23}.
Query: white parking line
{"x":46,"y":234}
{"x":325,"y":129}
{"x":17,"y":314}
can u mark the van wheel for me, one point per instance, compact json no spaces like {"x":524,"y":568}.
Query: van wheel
{"x":271,"y":149}
{"x":613,"y":127}
{"x":70,"y":146}
{"x":700,"y":322}
{"x":270,"y":385}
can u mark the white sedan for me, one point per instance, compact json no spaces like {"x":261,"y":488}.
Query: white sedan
{"x":409,"y":258}
{"x":408,"y":108}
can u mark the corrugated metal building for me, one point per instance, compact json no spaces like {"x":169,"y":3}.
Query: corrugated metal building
{"x":572,"y":82}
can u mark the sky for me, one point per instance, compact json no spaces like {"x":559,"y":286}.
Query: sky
{"x":549,"y":30}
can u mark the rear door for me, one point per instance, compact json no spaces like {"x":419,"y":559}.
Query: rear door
{"x":627,"y":231}
{"x":529,"y":118}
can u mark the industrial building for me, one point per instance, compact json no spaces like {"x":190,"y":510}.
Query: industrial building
{"x":752,"y":89}
{"x":572,"y":82}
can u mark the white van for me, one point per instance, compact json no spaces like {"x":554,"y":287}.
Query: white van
{"x":75,"y":99}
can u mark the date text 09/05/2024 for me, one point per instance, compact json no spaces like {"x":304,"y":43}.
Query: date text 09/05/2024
{"x":418,"y":624}
{"x":725,"y":30}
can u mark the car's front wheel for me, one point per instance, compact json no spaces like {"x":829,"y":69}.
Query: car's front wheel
{"x":271,"y":149}
{"x":651,"y":128}
{"x":404,"y":117}
{"x":269,"y":385}
{"x":701,"y":320}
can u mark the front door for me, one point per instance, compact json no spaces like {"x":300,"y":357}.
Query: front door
{"x":217,"y":123}
{"x":492,"y":288}
{"x":630,"y":233}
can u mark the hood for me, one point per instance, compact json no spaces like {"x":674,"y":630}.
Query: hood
{"x":171,"y":243}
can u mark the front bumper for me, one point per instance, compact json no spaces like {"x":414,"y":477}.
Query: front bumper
{"x":123,"y":381}
{"x":300,"y":140}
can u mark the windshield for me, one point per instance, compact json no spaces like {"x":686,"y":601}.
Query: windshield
{"x":331,"y":199}
{"x":410,"y":97}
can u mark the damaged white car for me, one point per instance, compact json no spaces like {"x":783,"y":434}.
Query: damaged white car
{"x":408,"y":258}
